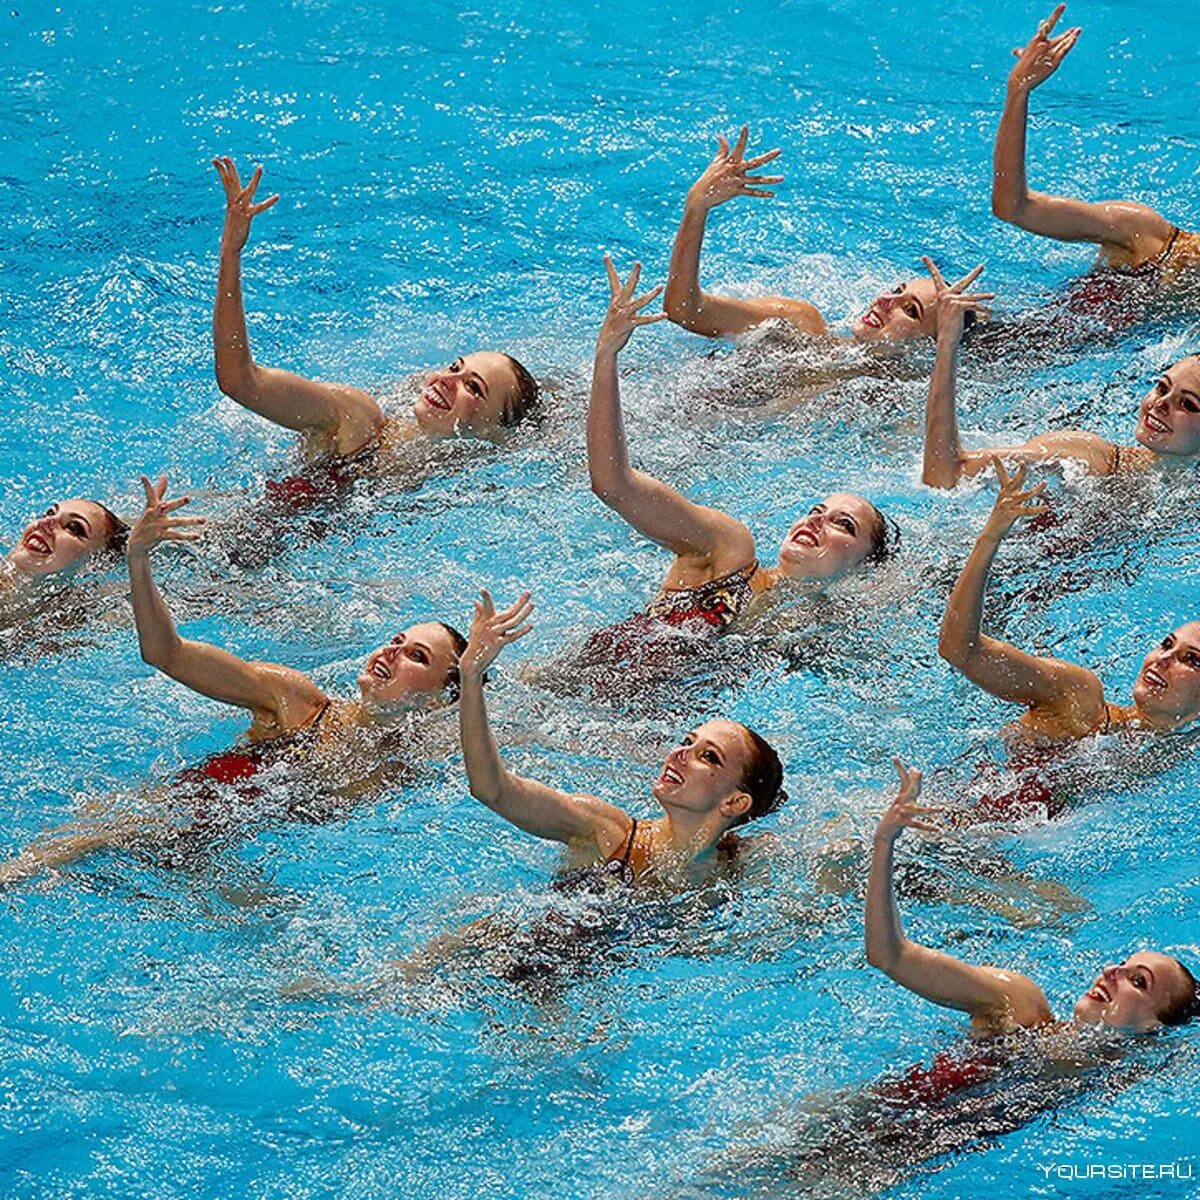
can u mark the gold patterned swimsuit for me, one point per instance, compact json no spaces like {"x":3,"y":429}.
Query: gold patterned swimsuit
{"x":714,"y":605}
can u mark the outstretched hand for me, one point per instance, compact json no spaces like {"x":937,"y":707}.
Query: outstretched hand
{"x":1037,"y":61}
{"x":491,"y":631}
{"x":904,"y":813}
{"x":157,"y":524}
{"x":240,"y":208}
{"x":624,"y":307}
{"x":726,"y":176}
{"x":952,"y":301}
{"x":1014,"y":501}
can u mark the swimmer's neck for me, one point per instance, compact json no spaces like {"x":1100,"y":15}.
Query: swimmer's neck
{"x":1146,"y":458}
{"x":1131,"y":714}
{"x":771,"y":578}
{"x":12,"y":578}
{"x":404,"y":431}
{"x":357,"y":714}
{"x":689,"y":838}
{"x":397,"y":431}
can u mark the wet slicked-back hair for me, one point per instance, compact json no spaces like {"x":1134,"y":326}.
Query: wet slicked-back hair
{"x":458,"y":643}
{"x":762,"y":779}
{"x":117,"y":533}
{"x":528,"y":394}
{"x":885,"y":537}
{"x":1187,"y":1007}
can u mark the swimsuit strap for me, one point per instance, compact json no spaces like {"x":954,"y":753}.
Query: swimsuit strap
{"x":1116,"y":459}
{"x":1108,"y":720}
{"x":625,"y":857}
{"x":311,"y":726}
{"x":1166,"y":253}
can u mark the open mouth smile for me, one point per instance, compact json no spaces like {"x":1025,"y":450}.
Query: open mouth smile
{"x":1100,"y":994}
{"x":436,"y":399}
{"x":379,"y":669}
{"x":872,"y":319}
{"x":1155,"y":423}
{"x":1154,"y":680}
{"x":36,"y":543}
{"x":670,"y":775}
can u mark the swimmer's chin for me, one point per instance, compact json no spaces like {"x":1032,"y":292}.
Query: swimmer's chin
{"x":434,"y":423}
{"x":800,"y":565}
{"x":385,"y":709}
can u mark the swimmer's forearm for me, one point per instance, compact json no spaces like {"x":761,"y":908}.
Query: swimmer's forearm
{"x":683,"y":299}
{"x":943,"y":449}
{"x":283,"y":397}
{"x":533,"y":807}
{"x":884,"y":931}
{"x":485,"y":769}
{"x":961,"y":626}
{"x":158,"y":638}
{"x":1010,"y":191}
{"x":608,"y":451}
{"x":231,"y":340}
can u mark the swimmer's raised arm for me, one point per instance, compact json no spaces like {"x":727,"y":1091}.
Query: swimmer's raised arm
{"x":349,"y":417}
{"x":685,"y":301}
{"x":542,"y":811}
{"x":1126,"y":230}
{"x":998,"y":667}
{"x":652,"y":507}
{"x":280,"y":698}
{"x":992,"y":997}
{"x":945,"y":460}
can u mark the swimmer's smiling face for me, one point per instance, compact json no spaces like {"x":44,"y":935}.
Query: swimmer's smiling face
{"x":836,"y":536}
{"x":906,"y":312}
{"x":704,"y":773}
{"x":1136,"y":994}
{"x":1167,"y":691}
{"x":414,"y":666}
{"x":470,"y":396}
{"x":1169,"y":419}
{"x":65,"y":534}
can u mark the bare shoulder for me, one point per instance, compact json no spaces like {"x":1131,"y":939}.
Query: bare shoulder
{"x":1089,"y":448}
{"x":610,"y":825}
{"x":1081,"y":705}
{"x":293,"y":691}
{"x":1138,"y":233}
{"x":805,"y":317}
{"x":1027,"y":1003}
{"x":359,"y":419}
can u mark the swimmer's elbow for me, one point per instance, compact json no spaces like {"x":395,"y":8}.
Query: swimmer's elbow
{"x":607,"y":487}
{"x":485,"y":787}
{"x":161,"y":654}
{"x":236,"y":376}
{"x":884,"y":957}
{"x":952,"y":647}
{"x":687,"y":313}
{"x":940,"y":475}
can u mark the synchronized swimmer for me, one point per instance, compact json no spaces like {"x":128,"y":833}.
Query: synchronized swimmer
{"x":339,"y":751}
{"x":1167,"y":432}
{"x":354,"y":747}
{"x":716,"y":574}
{"x":480,"y":394}
{"x":59,"y":542}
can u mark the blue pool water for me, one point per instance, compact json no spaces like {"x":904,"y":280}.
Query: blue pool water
{"x":449,"y":179}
